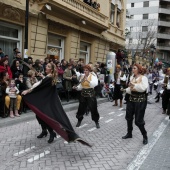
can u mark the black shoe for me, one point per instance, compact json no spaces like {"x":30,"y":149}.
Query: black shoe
{"x":156,"y":101}
{"x":43,"y":134}
{"x":164,"y":112}
{"x":97,"y":125}
{"x":145,"y":140}
{"x":127,"y":136}
{"x":78,"y":123}
{"x":52,"y":136}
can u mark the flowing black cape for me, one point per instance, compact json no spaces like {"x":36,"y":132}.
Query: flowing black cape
{"x":45,"y":103}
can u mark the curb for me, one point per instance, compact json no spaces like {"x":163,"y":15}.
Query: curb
{"x":31,"y":116}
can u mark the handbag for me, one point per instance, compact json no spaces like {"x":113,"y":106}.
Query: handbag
{"x":59,"y":85}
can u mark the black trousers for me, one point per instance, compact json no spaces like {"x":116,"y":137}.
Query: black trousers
{"x":44,"y":126}
{"x":165,"y":99}
{"x":137,"y":110}
{"x":91,"y":102}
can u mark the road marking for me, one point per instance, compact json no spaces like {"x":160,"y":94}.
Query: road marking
{"x":83,"y":125}
{"x":144,"y":152}
{"x":90,"y":130}
{"x":23,"y":151}
{"x":101,"y":118}
{"x":65,"y":142}
{"x":107,"y":121}
{"x":120,"y":109}
{"x":121,"y":114}
{"x":111,"y":113}
{"x":58,"y":136}
{"x":36,"y":157}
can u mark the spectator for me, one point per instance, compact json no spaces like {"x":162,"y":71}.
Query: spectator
{"x":5,"y":67}
{"x":38,"y":68}
{"x":12,"y":92}
{"x":63,"y":64}
{"x":59,"y":70}
{"x":68,"y":77}
{"x":16,"y":68}
{"x":18,"y":56}
{"x":16,"y":51}
{"x":31,"y":80}
{"x":119,"y":57}
{"x":46,"y":61}
{"x":20,"y":83}
{"x":1,"y":54}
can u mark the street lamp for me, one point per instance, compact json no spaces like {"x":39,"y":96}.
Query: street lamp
{"x":153,"y":49}
{"x":26,"y":30}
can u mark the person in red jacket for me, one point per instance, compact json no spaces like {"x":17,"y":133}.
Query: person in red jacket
{"x":5,"y":67}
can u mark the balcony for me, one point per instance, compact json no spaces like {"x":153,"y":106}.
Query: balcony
{"x":76,"y":11}
{"x":164,"y":10}
{"x":164,"y":35}
{"x":164,"y":23}
{"x":163,"y":46}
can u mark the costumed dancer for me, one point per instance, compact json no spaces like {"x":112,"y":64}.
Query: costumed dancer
{"x":159,"y":85}
{"x":43,"y":100}
{"x":119,"y":82}
{"x":166,"y":93}
{"x":87,"y":97}
{"x":137,"y":102}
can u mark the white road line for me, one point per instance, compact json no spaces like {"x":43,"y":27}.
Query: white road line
{"x":23,"y":151}
{"x":107,"y":121}
{"x":111,"y":113}
{"x":90,"y":130}
{"x":121,"y":114}
{"x":144,"y":152}
{"x":83,"y":125}
{"x":120,"y":109}
{"x":36,"y":157}
{"x":101,"y":118}
{"x":65,"y":142}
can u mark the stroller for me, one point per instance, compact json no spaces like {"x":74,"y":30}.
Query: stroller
{"x":107,"y":91}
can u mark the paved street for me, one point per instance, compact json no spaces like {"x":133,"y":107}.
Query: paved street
{"x":21,"y":150}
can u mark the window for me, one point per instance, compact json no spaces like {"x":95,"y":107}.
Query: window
{"x":145,"y":16}
{"x":132,"y":4}
{"x":112,"y":14}
{"x":130,"y":41}
{"x":55,"y":47}
{"x":144,"y":28}
{"x":84,"y":52}
{"x":131,"y":28}
{"x":146,"y":4}
{"x":10,"y":38}
{"x":132,"y":16}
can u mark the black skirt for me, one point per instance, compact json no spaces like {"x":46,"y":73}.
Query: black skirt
{"x":118,"y":94}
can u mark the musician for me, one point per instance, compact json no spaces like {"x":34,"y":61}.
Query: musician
{"x":87,"y":97}
{"x":137,"y":102}
{"x":166,"y":94}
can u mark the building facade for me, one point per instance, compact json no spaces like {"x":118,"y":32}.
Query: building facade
{"x":63,"y":29}
{"x":147,"y":28}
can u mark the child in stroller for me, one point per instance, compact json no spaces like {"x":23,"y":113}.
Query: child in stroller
{"x":107,"y":91}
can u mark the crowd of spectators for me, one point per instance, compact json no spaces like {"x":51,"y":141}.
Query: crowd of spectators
{"x":93,"y":4}
{"x":69,"y":73}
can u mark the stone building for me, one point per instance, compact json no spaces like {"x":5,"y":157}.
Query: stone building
{"x":63,"y":29}
{"x":148,"y":23}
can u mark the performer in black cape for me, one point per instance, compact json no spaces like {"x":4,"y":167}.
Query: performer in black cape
{"x":137,"y":102}
{"x":43,"y":99}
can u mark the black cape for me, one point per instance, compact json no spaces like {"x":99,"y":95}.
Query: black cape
{"x":45,"y":103}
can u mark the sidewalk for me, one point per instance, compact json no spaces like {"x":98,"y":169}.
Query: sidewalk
{"x":68,"y":106}
{"x":159,"y":157}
